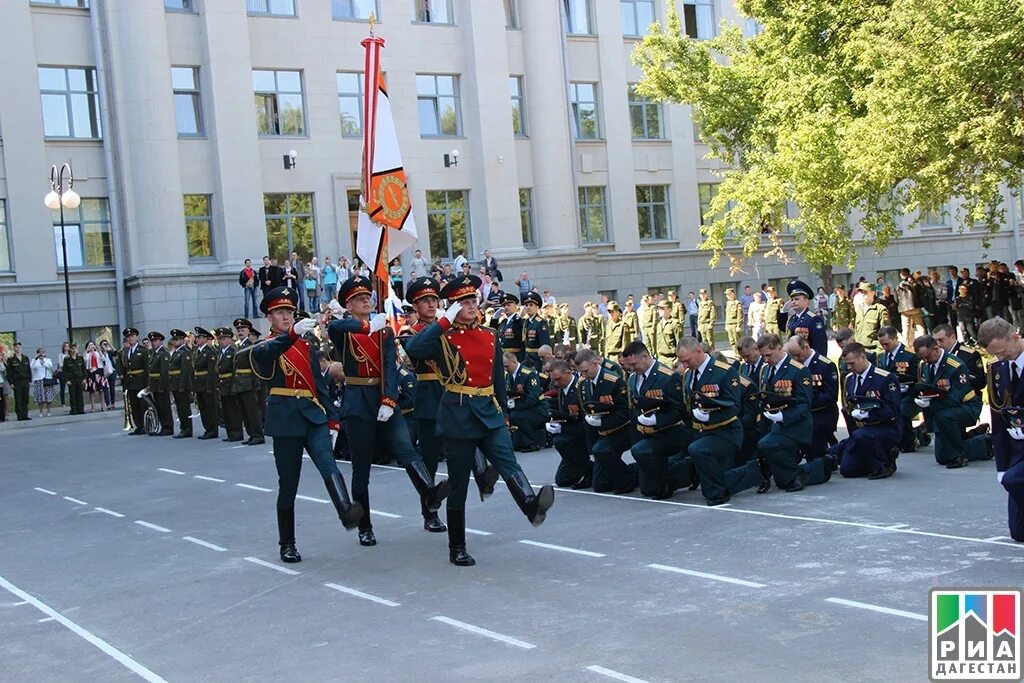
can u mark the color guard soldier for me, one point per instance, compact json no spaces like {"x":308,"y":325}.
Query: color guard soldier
{"x":159,"y":369}
{"x":803,"y":321}
{"x":873,"y":406}
{"x":733,"y":318}
{"x":179,"y":381}
{"x":873,"y":317}
{"x":535,"y":330}
{"x":667,"y":333}
{"x":711,"y":395}
{"x":133,"y":366}
{"x":510,"y":329}
{"x":366,"y":346}
{"x":246,"y":384}
{"x":706,"y":314}
{"x":786,"y":403}
{"x":205,"y":382}
{"x":824,"y":396}
{"x":605,"y":401}
{"x":229,"y":407}
{"x":527,"y":412}
{"x":895,"y":359}
{"x":566,"y":429}
{"x":407,"y":402}
{"x":772,"y":312}
{"x":300,"y":412}
{"x":1006,"y":398}
{"x":470,"y":414}
{"x":616,"y":334}
{"x":945,"y":395}
{"x":592,"y":328}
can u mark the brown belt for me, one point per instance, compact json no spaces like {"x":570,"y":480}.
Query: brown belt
{"x":295,"y":393}
{"x":469,"y":391}
{"x":644,"y":429}
{"x":362,"y":381}
{"x":707,"y":428}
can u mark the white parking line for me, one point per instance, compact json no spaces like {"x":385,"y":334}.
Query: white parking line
{"x":478,"y":532}
{"x":254,"y":488}
{"x":618,"y":676}
{"x":268,"y":565}
{"x":108,"y":512}
{"x":199,"y":541}
{"x":154,"y":527}
{"x":877,"y":608}
{"x":361,"y":594}
{"x":164,"y":469}
{"x":515,"y":642}
{"x":564,"y":549}
{"x":311,"y":499}
{"x":705,"y":575}
{"x":105,"y":647}
{"x":74,"y":500}
{"x":46,"y":491}
{"x":215,"y":479}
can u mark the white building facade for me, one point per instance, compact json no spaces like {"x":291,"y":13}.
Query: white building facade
{"x":176,"y":117}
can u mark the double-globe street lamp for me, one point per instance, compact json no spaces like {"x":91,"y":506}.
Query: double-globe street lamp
{"x":58,"y":198}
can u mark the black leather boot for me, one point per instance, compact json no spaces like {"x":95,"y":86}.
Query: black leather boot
{"x":431,"y":522}
{"x":485,"y":475}
{"x":348,"y":512}
{"x":366,"y":537}
{"x":431,"y":494}
{"x":457,"y":554}
{"x":534,"y":506}
{"x":286,"y":535}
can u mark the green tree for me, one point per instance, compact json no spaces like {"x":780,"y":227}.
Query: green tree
{"x":848,"y":108}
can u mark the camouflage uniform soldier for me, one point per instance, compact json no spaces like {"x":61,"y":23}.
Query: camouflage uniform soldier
{"x":733,"y":318}
{"x":706,"y":314}
{"x":772,"y":309}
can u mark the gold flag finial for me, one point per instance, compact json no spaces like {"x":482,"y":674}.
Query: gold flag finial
{"x":373,"y":22}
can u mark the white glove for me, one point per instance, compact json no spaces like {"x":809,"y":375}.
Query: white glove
{"x":701,"y":415}
{"x":304,"y":327}
{"x":334,"y":438}
{"x":511,"y":403}
{"x":335,"y":309}
{"x":593,"y":420}
{"x":904,"y":388}
{"x":774,"y":417}
{"x":859,"y":414}
{"x":378,"y":322}
{"x":143,"y":393}
{"x":384,"y":413}
{"x":647,"y":420}
{"x":999,"y":476}
{"x":553,"y":428}
{"x":1016,"y":433}
{"x":922,"y":402}
{"x":453,"y":311}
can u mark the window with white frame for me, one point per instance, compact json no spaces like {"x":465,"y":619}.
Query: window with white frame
{"x":433,"y":11}
{"x":188,"y":113}
{"x":71,"y":103}
{"x":515,"y":87}
{"x":645,"y":117}
{"x":198,"y":226}
{"x":637,"y":16}
{"x":526,"y":216}
{"x":5,"y":239}
{"x":584,"y":111}
{"x":438,"y":101}
{"x":354,"y":9}
{"x":279,"y":102}
{"x":593,"y":215}
{"x":271,"y":8}
{"x":87,"y":230}
{"x":652,"y":212}
{"x":699,"y":19}
{"x":350,"y":103}
{"x":576,"y":17}
{"x":511,"y":13}
{"x":448,"y":223}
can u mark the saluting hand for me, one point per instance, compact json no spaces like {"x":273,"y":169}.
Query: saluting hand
{"x":378,"y":322}
{"x":453,"y":311}
{"x":304,"y":327}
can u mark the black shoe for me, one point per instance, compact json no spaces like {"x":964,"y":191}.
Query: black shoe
{"x":924,"y":438}
{"x":165,"y":432}
{"x":430,"y":494}
{"x":958,"y":463}
{"x":884,"y":472}
{"x":433,"y":523}
{"x":457,"y":554}
{"x":989,"y":447}
{"x":255,"y":441}
{"x":289,"y":554}
{"x":583,"y":483}
{"x":766,"y":476}
{"x":349,"y":513}
{"x":980,"y":430}
{"x":137,"y":432}
{"x":183,"y":435}
{"x":798,"y":483}
{"x":668,"y":490}
{"x":486,"y":475}
{"x":831,"y":465}
{"x":459,"y":557}
{"x":286,"y":534}
{"x":529,"y":449}
{"x":694,"y":476}
{"x":719,"y":500}
{"x":366,"y":537}
{"x":206,"y":437}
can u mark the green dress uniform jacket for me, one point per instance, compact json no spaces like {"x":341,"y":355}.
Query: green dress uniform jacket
{"x":74,"y":374}
{"x":204,"y":376}
{"x":667,"y":334}
{"x":132,"y":366}
{"x":616,"y":337}
{"x":869,"y":322}
{"x":159,"y":370}
{"x":530,"y":411}
{"x":566,"y":331}
{"x":706,"y":314}
{"x":660,"y":445}
{"x":510,"y":331}
{"x":772,"y":310}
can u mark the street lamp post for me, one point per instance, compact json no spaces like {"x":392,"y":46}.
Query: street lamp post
{"x":58,"y":198}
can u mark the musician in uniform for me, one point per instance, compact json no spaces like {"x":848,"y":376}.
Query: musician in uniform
{"x":527,"y":412}
{"x":824,"y":395}
{"x":205,"y":382}
{"x":616,"y":334}
{"x":1006,"y":398}
{"x":470,"y":415}
{"x":733,"y":318}
{"x":536,"y":332}
{"x":575,"y":469}
{"x":510,"y":328}
{"x":895,"y":359}
{"x":133,"y":366}
{"x":802,"y":320}
{"x":873,"y":405}
{"x":179,"y":382}
{"x":667,"y":333}
{"x":707,"y":312}
{"x":605,"y":399}
{"x":230,"y":411}
{"x":246,"y":385}
{"x":366,"y":346}
{"x":159,"y":367}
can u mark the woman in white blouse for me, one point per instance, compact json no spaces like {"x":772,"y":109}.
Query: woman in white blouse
{"x":44,"y":387}
{"x":755,"y":315}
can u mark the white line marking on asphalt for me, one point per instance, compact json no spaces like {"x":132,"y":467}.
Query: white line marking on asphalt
{"x":154,"y":527}
{"x":618,"y":676}
{"x":311,"y":499}
{"x":19,"y":604}
{"x":564,"y":549}
{"x":478,"y":532}
{"x":998,"y":538}
{"x":108,"y":512}
{"x":268,"y":565}
{"x":360,"y":594}
{"x":234,"y":447}
{"x":46,"y":491}
{"x":98,"y":642}
{"x":876,"y":608}
{"x":254,"y":488}
{"x":484,"y":632}
{"x":705,"y":575}
{"x":164,"y":469}
{"x":215,"y":479}
{"x":199,"y":541}
{"x":44,"y":620}
{"x":390,"y":515}
{"x":74,"y":500}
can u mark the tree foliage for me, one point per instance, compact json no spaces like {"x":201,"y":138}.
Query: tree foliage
{"x":856,"y":111}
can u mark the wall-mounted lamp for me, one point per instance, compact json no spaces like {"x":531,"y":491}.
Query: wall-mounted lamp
{"x":451,"y":158}
{"x":289,"y":159}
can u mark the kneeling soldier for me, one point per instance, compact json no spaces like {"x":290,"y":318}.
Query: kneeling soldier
{"x":873,"y":405}
{"x":527,"y":413}
{"x":605,"y":402}
{"x":566,"y":428}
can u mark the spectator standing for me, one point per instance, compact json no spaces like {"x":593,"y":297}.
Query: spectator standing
{"x":908,"y":305}
{"x":97,"y":372}
{"x":19,"y":376}
{"x":247,"y":281}
{"x":44,"y":384}
{"x":821,"y":303}
{"x":329,"y":278}
{"x":691,"y":313}
{"x":269,"y":276}
{"x":397,"y":278}
{"x":436,"y":269}
{"x":107,"y":350}
{"x":418,"y":264}
{"x":964,"y":305}
{"x":300,"y":276}
{"x":892,"y":308}
{"x":1017,"y":295}
{"x":345,"y":268}
{"x":58,"y":372}
{"x":746,"y":299}
{"x":755,"y":315}
{"x":491,"y":265}
{"x":495,"y":295}
{"x":310,"y":284}
{"x":525,"y":285}
{"x":460,"y":259}
{"x":289,"y":276}
{"x":75,"y":373}
{"x":3,"y":385}
{"x":549,"y":298}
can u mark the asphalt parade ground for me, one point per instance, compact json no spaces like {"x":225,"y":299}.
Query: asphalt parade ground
{"x":140,"y":557}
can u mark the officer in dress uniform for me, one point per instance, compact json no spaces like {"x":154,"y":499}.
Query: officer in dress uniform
{"x":750,"y":403}
{"x":951,"y":405}
{"x":895,"y":359}
{"x":707,"y":312}
{"x":871,"y":318}
{"x":246,"y":384}
{"x":658,"y":413}
{"x":205,"y":382}
{"x":536,"y":332}
{"x":179,"y":382}
{"x":824,"y":396}
{"x":133,"y":366}
{"x":786,"y":403}
{"x":1006,"y":398}
{"x":229,"y":407}
{"x":802,"y":320}
{"x":616,"y":334}
{"x":733,"y":318}
{"x":605,"y":399}
{"x":667,"y":333}
{"x":470,"y":414}
{"x":527,"y":412}
{"x":873,"y":397}
{"x":366,"y":346}
{"x":510,"y":328}
{"x":566,"y":428}
{"x":711,"y":396}
{"x":158,"y":372}
{"x":300,"y":412}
